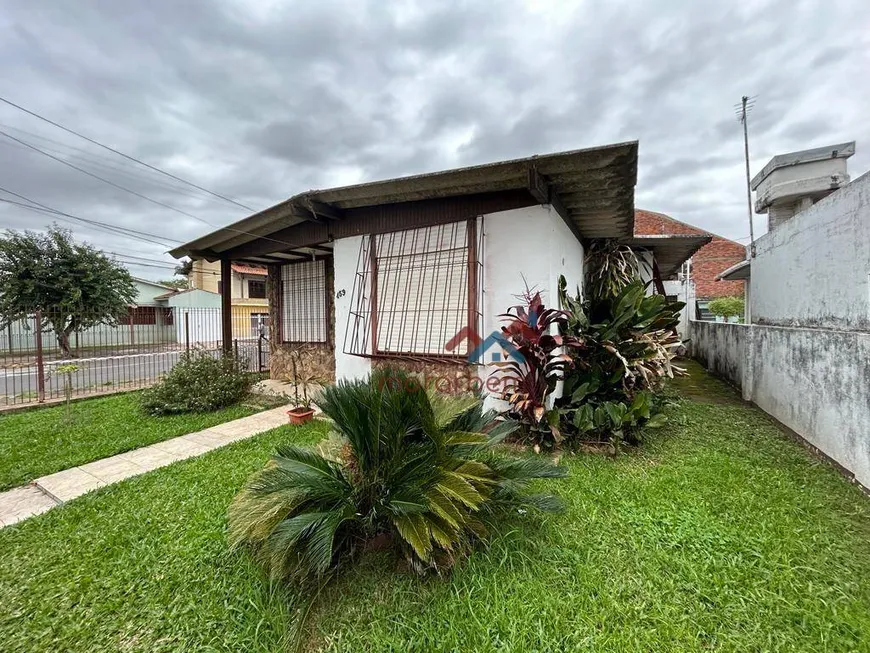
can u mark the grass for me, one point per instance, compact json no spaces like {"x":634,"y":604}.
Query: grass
{"x":42,"y":441}
{"x":720,"y":534}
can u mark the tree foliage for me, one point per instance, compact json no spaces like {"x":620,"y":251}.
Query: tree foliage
{"x":727,"y":307}
{"x":74,"y":285}
{"x":175,"y":284}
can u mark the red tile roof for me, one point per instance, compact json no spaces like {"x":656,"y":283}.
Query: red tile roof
{"x":249,"y":269}
{"x":714,"y":257}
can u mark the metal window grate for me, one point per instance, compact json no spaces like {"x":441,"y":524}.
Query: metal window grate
{"x":303,"y":302}
{"x":415,"y":291}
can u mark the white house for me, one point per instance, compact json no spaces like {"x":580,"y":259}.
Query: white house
{"x":416,"y":271}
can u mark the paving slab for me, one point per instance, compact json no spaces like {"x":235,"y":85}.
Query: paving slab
{"x":148,"y":458}
{"x":23,"y":502}
{"x":69,"y":484}
{"x":46,"y":492}
{"x":114,"y":469}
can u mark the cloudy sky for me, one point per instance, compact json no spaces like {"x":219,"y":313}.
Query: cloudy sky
{"x":258,"y":100}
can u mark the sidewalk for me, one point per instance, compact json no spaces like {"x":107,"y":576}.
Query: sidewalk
{"x":45,"y":493}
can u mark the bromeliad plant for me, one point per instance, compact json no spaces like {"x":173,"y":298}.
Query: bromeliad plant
{"x":415,"y":470}
{"x":539,"y":359}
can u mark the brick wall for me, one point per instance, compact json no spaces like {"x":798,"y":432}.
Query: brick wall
{"x":714,"y":257}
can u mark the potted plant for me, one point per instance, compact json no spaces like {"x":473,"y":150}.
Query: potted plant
{"x":301,"y":411}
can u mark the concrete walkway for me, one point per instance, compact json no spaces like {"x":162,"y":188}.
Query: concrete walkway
{"x":45,"y":493}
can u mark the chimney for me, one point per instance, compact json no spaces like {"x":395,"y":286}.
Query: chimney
{"x":792,"y":182}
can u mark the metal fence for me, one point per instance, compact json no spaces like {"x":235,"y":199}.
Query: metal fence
{"x":45,"y":356}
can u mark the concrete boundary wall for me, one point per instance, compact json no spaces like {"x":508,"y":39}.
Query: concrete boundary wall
{"x":815,"y":381}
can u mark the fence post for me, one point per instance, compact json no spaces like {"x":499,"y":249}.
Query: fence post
{"x":40,"y":366}
{"x":186,"y":331}
{"x":132,"y":339}
{"x":260,"y":353}
{"x":236,"y":348}
{"x":9,"y":332}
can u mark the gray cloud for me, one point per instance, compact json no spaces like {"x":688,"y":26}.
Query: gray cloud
{"x":262,"y":100}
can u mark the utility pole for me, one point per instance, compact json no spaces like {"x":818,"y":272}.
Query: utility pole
{"x":745,"y":106}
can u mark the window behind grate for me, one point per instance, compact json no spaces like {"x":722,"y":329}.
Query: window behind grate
{"x":256,"y":289}
{"x":303,"y":302}
{"x":415,"y":290}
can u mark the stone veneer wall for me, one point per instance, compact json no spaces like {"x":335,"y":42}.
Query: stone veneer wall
{"x":317,"y":360}
{"x":447,"y":377}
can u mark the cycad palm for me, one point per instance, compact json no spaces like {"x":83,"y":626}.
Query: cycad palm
{"x":417,"y":467}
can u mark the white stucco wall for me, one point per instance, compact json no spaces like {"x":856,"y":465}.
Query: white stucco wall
{"x":530,"y":246}
{"x":345,"y":258}
{"x":815,"y":381}
{"x":814,"y":269}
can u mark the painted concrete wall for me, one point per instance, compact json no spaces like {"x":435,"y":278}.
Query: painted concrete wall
{"x":529,"y":246}
{"x":345,"y":259}
{"x":814,"y":269}
{"x":815,"y":381}
{"x":721,"y":348}
{"x":146,"y":292}
{"x":524,"y":246}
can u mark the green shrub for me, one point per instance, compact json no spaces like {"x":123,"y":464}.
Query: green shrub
{"x":415,"y":471}
{"x":629,"y":339}
{"x":199,"y":382}
{"x":727,"y":307}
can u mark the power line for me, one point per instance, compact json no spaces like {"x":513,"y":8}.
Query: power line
{"x":126,"y":156}
{"x":145,"y":197}
{"x":142,"y":258}
{"x":161,"y":240}
{"x":103,"y":179}
{"x":126,"y":171}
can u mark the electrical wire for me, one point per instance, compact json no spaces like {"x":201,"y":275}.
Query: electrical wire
{"x":126,"y":156}
{"x":133,"y":233}
{"x":145,"y":197}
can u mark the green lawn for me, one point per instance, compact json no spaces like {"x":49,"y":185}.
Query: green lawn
{"x":42,"y":441}
{"x":719,"y":535}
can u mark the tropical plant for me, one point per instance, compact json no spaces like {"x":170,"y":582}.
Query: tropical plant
{"x":415,"y":470}
{"x":75,"y":287}
{"x":610,"y":266}
{"x":537,"y":362}
{"x":201,"y":381}
{"x":727,"y":307}
{"x":629,"y":340}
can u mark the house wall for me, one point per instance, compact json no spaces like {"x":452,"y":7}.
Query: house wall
{"x":815,"y":381}
{"x":146,"y":292}
{"x":530,"y":247}
{"x":345,"y":254}
{"x":315,"y":361}
{"x":814,"y":269}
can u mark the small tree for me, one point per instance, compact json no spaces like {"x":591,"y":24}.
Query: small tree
{"x":75,"y":286}
{"x":175,"y":284}
{"x":727,"y":307}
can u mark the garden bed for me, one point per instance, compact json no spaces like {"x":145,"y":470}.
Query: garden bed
{"x":42,"y":441}
{"x":718,"y":534}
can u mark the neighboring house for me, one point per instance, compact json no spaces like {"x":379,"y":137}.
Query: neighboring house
{"x":247,"y":290}
{"x":417,"y":271}
{"x":695,"y":283}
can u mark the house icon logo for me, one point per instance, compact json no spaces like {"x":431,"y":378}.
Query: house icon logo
{"x":478,"y":347}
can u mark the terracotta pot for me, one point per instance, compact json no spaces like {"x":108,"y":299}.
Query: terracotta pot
{"x":300,"y":415}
